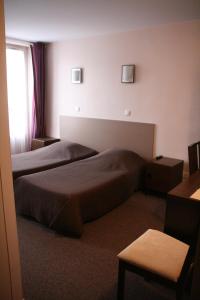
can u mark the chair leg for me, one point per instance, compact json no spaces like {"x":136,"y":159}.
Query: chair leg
{"x":121,"y":282}
{"x":179,"y":293}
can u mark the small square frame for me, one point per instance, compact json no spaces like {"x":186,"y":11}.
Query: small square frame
{"x":77,"y":75}
{"x":127,"y":73}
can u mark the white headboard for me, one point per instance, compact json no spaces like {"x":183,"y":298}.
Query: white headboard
{"x":101,"y":134}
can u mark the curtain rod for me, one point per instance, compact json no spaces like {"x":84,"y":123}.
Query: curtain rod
{"x":18,"y":42}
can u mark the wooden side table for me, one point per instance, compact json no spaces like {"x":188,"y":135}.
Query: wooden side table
{"x":182,"y":217}
{"x":163,"y":174}
{"x":182,"y":220}
{"x":42,"y":142}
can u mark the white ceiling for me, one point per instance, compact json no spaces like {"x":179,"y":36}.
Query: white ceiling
{"x":54,"y":20}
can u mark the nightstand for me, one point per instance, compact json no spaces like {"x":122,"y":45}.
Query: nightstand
{"x":42,"y":142}
{"x":161,"y":175}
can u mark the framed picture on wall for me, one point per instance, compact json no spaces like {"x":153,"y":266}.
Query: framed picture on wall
{"x":76,"y":75}
{"x":127,"y":73}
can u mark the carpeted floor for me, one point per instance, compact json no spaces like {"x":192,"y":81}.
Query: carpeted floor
{"x":55,"y":267}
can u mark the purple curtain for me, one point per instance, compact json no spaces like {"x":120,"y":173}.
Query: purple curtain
{"x":38,"y":60}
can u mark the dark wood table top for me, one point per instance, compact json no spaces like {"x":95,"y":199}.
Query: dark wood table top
{"x":187,"y":187}
{"x":167,"y":161}
{"x":182,"y":221}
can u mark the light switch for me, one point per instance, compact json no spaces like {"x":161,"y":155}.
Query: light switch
{"x":127,"y":112}
{"x":77,"y":108}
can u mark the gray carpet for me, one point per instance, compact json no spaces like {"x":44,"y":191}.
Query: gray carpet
{"x":58,"y":267}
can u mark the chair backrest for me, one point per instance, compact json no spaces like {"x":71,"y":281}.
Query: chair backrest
{"x":194,"y":157}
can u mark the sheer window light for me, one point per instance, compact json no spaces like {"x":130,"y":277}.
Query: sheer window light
{"x":19,"y":106}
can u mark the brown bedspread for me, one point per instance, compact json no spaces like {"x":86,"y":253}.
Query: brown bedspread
{"x":45,"y":158}
{"x":65,"y":197}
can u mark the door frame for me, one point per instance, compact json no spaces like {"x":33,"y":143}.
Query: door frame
{"x":10,"y":275}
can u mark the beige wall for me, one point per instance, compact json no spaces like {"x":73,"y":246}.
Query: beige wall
{"x":166,"y":91}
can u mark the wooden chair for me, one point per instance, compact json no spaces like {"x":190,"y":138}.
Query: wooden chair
{"x":155,"y":256}
{"x":194,"y":157}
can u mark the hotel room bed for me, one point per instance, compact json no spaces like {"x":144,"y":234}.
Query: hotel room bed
{"x":65,"y":197}
{"x":45,"y":158}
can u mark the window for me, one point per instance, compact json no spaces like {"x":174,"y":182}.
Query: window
{"x":19,"y":84}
